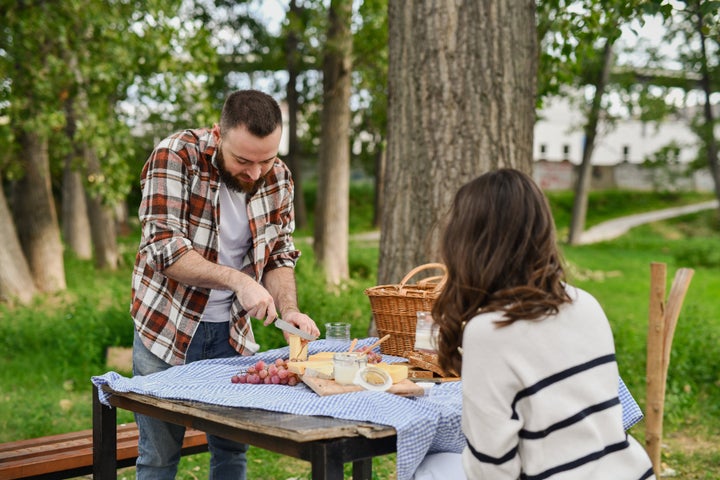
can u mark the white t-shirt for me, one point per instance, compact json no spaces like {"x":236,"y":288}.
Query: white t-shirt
{"x":234,"y":242}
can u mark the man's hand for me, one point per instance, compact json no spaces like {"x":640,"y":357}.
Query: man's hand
{"x":256,"y":300}
{"x":280,"y":282}
{"x":300,"y":320}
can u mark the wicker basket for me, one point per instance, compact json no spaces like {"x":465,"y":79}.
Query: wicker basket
{"x":395,"y":308}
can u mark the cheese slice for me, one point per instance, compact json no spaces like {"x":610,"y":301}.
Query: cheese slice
{"x":324,"y":371}
{"x":321,"y":356}
{"x":298,"y":348}
{"x":299,"y":368}
{"x":397,"y":371}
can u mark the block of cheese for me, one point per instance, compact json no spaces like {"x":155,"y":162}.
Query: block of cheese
{"x":397,"y":371}
{"x":324,"y":370}
{"x":318,"y":365}
{"x":298,"y":348}
{"x":321,"y":356}
{"x":299,"y":368}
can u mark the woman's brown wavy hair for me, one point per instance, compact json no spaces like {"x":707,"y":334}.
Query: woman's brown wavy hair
{"x":499,"y":246}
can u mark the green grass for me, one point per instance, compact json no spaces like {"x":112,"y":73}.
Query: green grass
{"x":52,"y":347}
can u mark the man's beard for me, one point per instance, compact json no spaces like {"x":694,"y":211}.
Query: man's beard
{"x":231,"y":182}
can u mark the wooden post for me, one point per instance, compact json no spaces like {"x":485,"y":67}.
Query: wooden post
{"x":662,"y":320}
{"x":654,"y":376}
{"x":676,"y":297}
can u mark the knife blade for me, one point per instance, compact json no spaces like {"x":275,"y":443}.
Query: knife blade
{"x":290,"y":328}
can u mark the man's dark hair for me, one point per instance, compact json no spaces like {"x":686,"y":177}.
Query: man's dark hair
{"x":255,"y":110}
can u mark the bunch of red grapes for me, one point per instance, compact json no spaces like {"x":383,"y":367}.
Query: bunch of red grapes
{"x":372,"y":356}
{"x":275,"y":373}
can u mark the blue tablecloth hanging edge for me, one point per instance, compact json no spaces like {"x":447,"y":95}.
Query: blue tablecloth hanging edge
{"x":426,"y":424}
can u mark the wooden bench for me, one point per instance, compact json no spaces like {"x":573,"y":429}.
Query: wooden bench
{"x":71,"y":454}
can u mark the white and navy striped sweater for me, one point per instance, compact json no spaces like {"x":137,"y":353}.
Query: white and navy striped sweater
{"x":540,"y":399}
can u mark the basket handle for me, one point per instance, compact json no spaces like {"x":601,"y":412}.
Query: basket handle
{"x":419,"y":269}
{"x":428,"y":280}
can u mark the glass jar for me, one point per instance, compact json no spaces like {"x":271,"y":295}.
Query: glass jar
{"x":373,"y":378}
{"x":337,"y":332}
{"x":425,"y":338}
{"x":346,"y":365}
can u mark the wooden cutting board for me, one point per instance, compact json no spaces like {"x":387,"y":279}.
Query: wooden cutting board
{"x":325,"y":387}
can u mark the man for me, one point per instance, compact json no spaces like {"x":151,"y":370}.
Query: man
{"x":216,"y":249}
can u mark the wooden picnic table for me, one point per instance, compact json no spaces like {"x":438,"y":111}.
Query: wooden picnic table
{"x":327,"y":443}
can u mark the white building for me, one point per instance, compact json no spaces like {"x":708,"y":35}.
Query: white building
{"x":619,"y":148}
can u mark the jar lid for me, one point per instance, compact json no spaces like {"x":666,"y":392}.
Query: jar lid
{"x":373,"y":378}
{"x":349,"y":356}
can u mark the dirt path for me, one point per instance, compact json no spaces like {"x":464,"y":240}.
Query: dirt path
{"x":606,"y":230}
{"x":618,"y":226}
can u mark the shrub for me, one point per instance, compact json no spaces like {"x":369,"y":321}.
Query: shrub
{"x":700,"y":252}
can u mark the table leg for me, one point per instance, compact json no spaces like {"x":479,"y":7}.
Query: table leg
{"x":326,"y":463}
{"x":362,"y":469}
{"x":104,"y":440}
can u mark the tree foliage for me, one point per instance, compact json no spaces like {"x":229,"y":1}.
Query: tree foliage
{"x":66,"y":69}
{"x":699,"y":28}
{"x":130,"y":72}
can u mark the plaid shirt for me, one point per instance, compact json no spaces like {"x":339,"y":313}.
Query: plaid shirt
{"x":180,"y":211}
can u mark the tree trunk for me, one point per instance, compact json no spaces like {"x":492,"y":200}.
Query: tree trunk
{"x":462,"y":80}
{"x":36,"y":218}
{"x":102,"y":218}
{"x":380,"y":162}
{"x":16,"y":281}
{"x":122,"y":218}
{"x":75,"y":223}
{"x":332,"y":208}
{"x":584,"y":177}
{"x":294,"y":156}
{"x":103,"y":231}
{"x":711,"y":147}
{"x":74,"y":218}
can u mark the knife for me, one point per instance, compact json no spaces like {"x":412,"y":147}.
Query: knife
{"x":290,"y":328}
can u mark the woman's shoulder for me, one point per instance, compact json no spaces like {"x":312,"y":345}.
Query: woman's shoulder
{"x":485,"y":327}
{"x":578,"y":295}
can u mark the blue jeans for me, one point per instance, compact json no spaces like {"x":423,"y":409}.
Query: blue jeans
{"x":160,"y":442}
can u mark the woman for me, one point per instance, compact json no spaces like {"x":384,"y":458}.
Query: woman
{"x":537,"y":358}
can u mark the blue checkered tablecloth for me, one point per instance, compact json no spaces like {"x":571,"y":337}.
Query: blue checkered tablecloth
{"x":425,"y":424}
